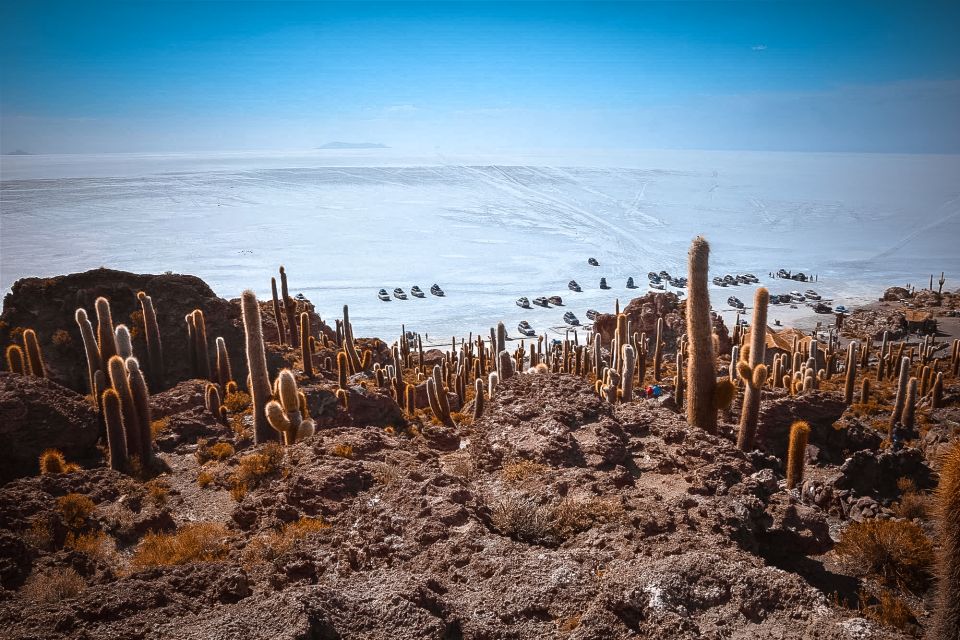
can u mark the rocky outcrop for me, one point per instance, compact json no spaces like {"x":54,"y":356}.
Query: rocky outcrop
{"x":37,"y":414}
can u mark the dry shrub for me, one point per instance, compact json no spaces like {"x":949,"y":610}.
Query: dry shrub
{"x":157,"y":492}
{"x":523,"y":519}
{"x":520,"y":470}
{"x":53,"y":586}
{"x":462,"y":419}
{"x":237,"y":402}
{"x":272,"y":545}
{"x":198,"y":542}
{"x":204,"y":479}
{"x":387,"y":474}
{"x":897,"y":552}
{"x":61,"y":338}
{"x":912,"y":504}
{"x":460,"y":465}
{"x":889,"y":610}
{"x":74,"y":509}
{"x":97,"y":545}
{"x":40,"y":533}
{"x":159,"y":426}
{"x":256,"y":467}
{"x":218,"y":451}
{"x":343,"y":451}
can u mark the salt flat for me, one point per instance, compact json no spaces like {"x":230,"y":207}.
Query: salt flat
{"x":488,"y":229}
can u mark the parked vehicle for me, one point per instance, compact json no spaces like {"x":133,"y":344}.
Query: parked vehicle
{"x":437,"y":291}
{"x":603,"y":283}
{"x":541,"y":302}
{"x":525,"y":329}
{"x":840,"y":309}
{"x":592,"y":314}
{"x":555,"y":300}
{"x":417,"y":292}
{"x":812,"y":295}
{"x":717,"y":280}
{"x":573,"y":286}
{"x":630,"y":284}
{"x":570,"y":319}
{"x":593,"y":262}
{"x":399,"y":294}
{"x":523,"y":303}
{"x":383,"y":295}
{"x":735,"y":302}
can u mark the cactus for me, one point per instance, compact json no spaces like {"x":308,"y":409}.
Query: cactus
{"x":342,"y":366}
{"x":200,"y":345}
{"x":494,"y":380}
{"x":31,"y":348}
{"x":629,"y":369}
{"x":796,"y":452}
{"x":16,"y":363}
{"x":305,"y":351}
{"x":151,"y":330}
{"x":105,"y":338}
{"x":211,"y":399}
{"x":658,"y":347}
{"x":678,"y":385}
{"x":478,"y":399}
{"x":753,"y":371}
{"x":505,"y":365}
{"x":224,"y":370}
{"x":936,"y":395}
{"x":290,"y":307}
{"x":348,"y":344}
{"x":437,"y":395}
{"x":124,"y":344}
{"x":703,"y":398}
{"x":344,"y":399}
{"x":941,"y":282}
{"x":117,"y":371}
{"x":91,"y":349}
{"x":910,"y":405}
{"x":277,"y":315}
{"x":286,"y":416}
{"x":865,"y":390}
{"x":850,"y":374}
{"x":141,"y":402}
{"x":257,"y":365}
{"x":898,"y":405}
{"x":112,"y":416}
{"x":946,"y":618}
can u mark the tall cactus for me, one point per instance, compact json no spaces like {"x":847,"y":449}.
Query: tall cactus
{"x":117,"y":370}
{"x":151,"y":330}
{"x":910,"y":405}
{"x":705,"y":395}
{"x":850,"y":374}
{"x":658,"y":347}
{"x":901,"y":399}
{"x":141,"y":402}
{"x":505,"y":365}
{"x":224,"y":370}
{"x":200,"y":345}
{"x":478,"y":399}
{"x":348,"y":344}
{"x":105,"y":337}
{"x":113,"y":417}
{"x":91,"y":348}
{"x":31,"y":347}
{"x":796,"y":452}
{"x":257,"y":365}
{"x":305,"y":352}
{"x":946,"y":618}
{"x":124,"y":342}
{"x":437,"y":395}
{"x":277,"y":314}
{"x":629,"y":369}
{"x":291,"y":308}
{"x":286,"y":416}
{"x":754,"y":371}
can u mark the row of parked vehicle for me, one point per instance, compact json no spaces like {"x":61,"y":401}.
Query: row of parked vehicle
{"x":734,"y":280}
{"x":415,"y":291}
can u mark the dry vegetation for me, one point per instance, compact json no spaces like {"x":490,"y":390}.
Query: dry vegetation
{"x":53,"y":586}
{"x":256,"y":467}
{"x":269,"y":546}
{"x":896,"y":552}
{"x":199,"y":542}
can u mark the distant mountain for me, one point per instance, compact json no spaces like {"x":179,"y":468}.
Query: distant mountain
{"x":18,"y":152}
{"x":353,"y":145}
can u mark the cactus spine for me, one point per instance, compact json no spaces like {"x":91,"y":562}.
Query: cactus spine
{"x":478,"y":399}
{"x":702,"y":397}
{"x":112,"y":416}
{"x":796,"y":452}
{"x":16,"y":363}
{"x":910,"y":405}
{"x":946,"y":619}
{"x":936,"y":395}
{"x":257,"y":365}
{"x":658,"y":347}
{"x":201,"y":353}
{"x":505,"y":365}
{"x":151,"y":330}
{"x":851,"y":374}
{"x":629,"y":368}
{"x":753,"y":371}
{"x":224,"y":370}
{"x":865,"y":390}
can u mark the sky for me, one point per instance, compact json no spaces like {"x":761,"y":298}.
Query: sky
{"x":167,"y":76}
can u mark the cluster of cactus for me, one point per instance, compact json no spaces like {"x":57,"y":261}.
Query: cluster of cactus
{"x":896,"y":416}
{"x":850,"y":374}
{"x":27,"y":360}
{"x":753,"y":371}
{"x":437,"y":396}
{"x":287,"y":413}
{"x":214,"y":404}
{"x":126,"y":414}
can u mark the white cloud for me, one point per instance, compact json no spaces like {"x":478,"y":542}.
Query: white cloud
{"x":759,"y":47}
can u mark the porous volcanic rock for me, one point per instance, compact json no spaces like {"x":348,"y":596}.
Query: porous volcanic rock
{"x":37,"y":414}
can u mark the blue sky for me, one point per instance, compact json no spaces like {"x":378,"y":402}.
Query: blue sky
{"x":457,"y":77}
